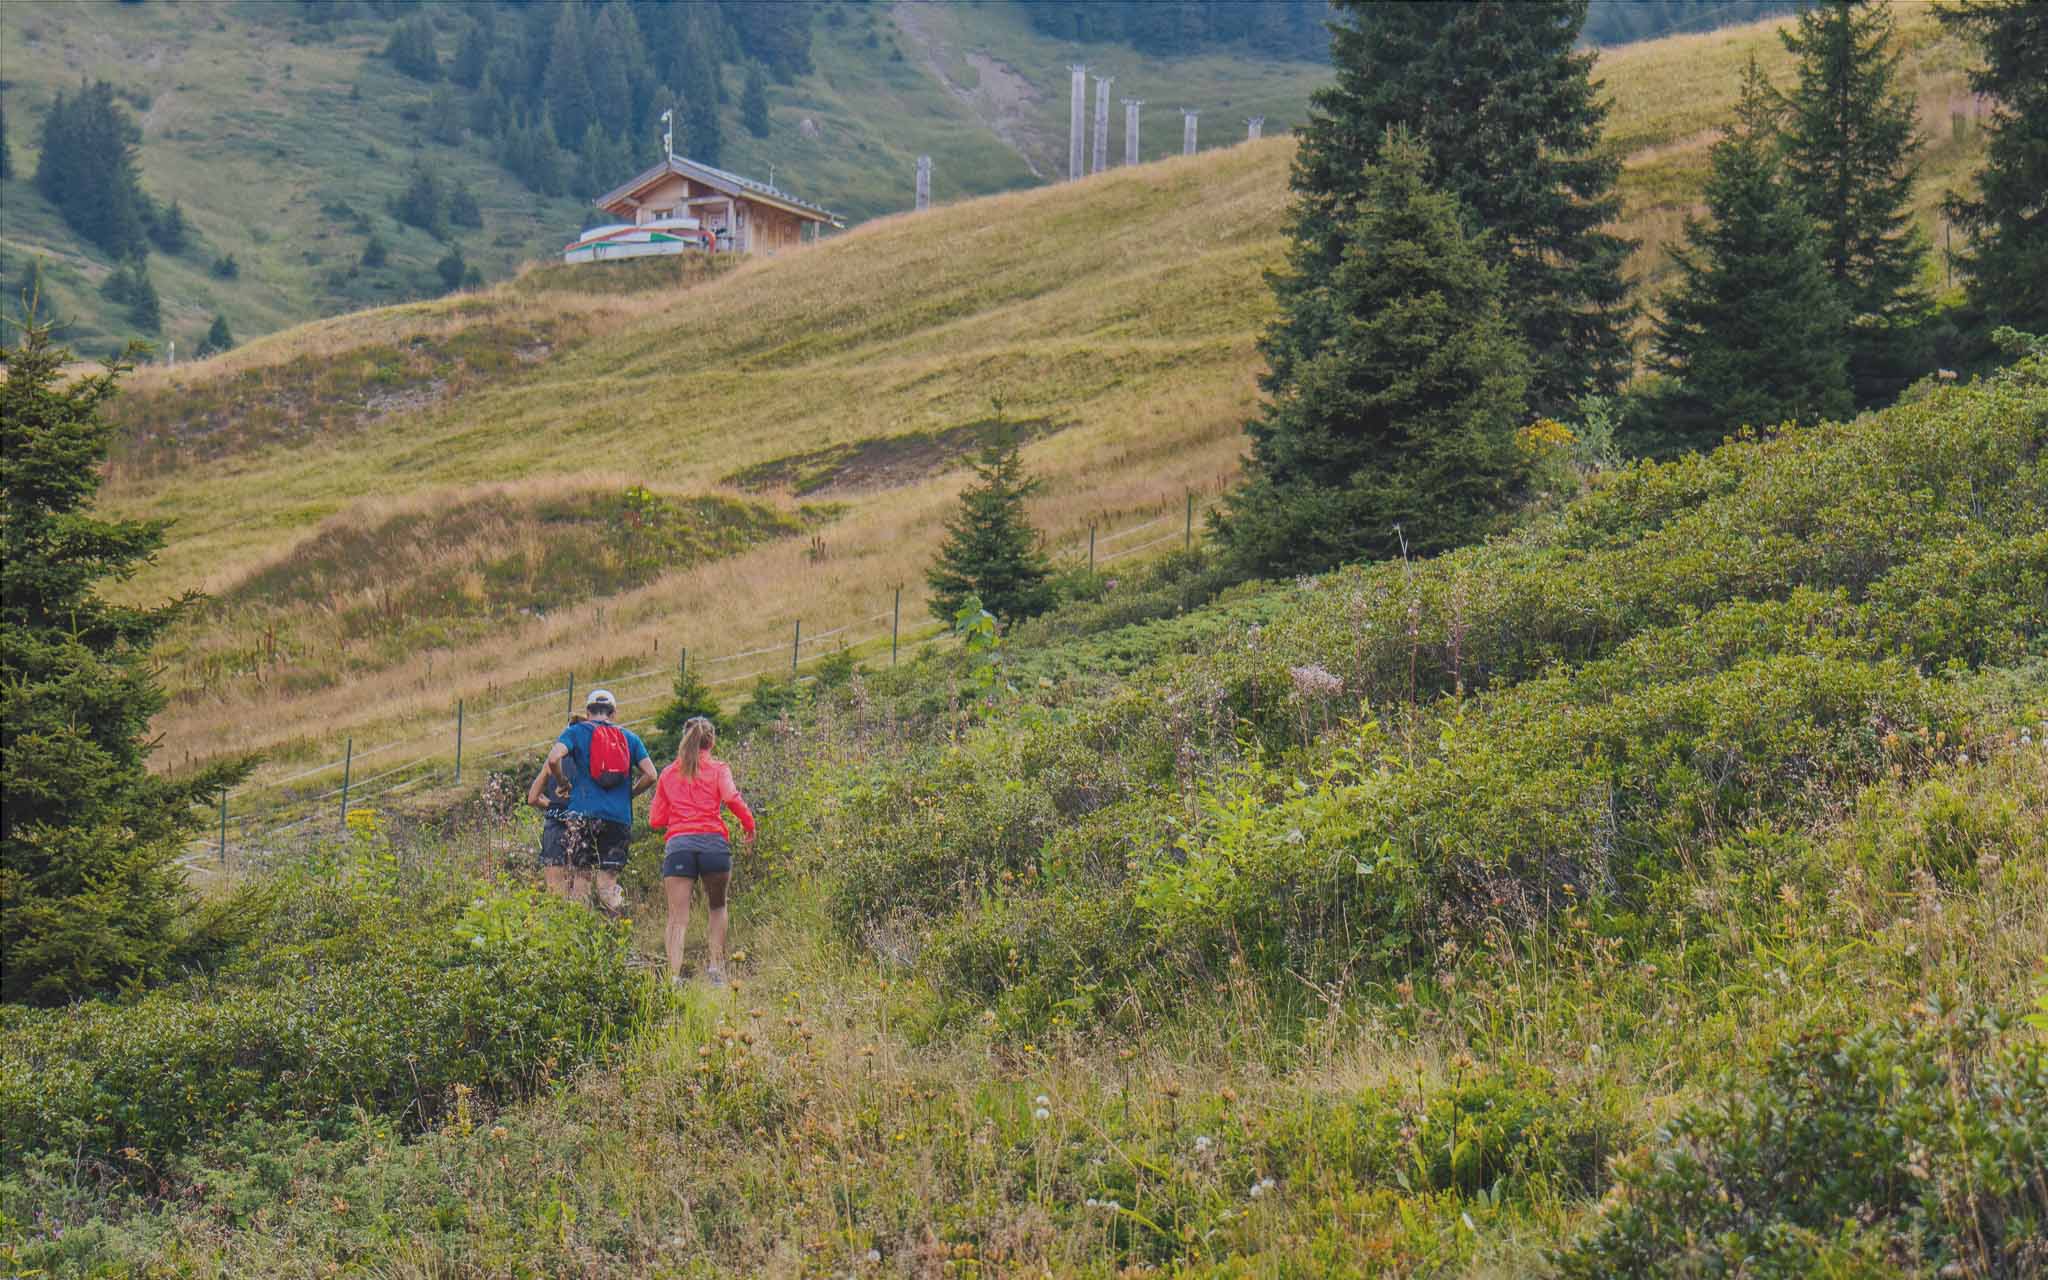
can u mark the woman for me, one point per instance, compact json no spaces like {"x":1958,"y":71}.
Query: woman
{"x":687,"y":803}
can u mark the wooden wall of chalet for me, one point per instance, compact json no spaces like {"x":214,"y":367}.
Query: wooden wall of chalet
{"x":773,"y":229}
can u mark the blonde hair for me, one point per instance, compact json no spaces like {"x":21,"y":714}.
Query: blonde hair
{"x":698,"y":737}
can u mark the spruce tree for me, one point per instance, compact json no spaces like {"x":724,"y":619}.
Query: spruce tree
{"x":1754,"y":332}
{"x":1506,"y":105}
{"x":445,"y":117}
{"x":411,"y":49}
{"x":170,"y":230}
{"x":422,"y":204}
{"x":696,"y":79}
{"x":88,"y":169}
{"x":6,"y":154}
{"x":463,"y":210}
{"x":991,"y":550}
{"x":91,"y":895}
{"x":144,"y":307}
{"x":1402,"y":410}
{"x":565,"y":86}
{"x":754,"y":102}
{"x":375,"y":252}
{"x":219,"y":337}
{"x":2006,"y":265}
{"x":1850,"y":148}
{"x":471,"y":56}
{"x":452,"y":269}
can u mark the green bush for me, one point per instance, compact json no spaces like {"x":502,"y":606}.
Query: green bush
{"x":1901,"y":1149}
{"x":520,"y":988}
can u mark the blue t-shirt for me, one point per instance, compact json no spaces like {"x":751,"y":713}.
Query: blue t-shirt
{"x":586,"y":798}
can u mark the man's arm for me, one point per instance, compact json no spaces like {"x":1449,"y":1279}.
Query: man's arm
{"x":647,"y":777}
{"x":553,"y":768}
{"x":535,"y":794}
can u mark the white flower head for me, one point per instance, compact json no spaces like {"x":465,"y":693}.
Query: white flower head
{"x":1042,"y":1100}
{"x":1203,"y":1143}
{"x":1041,"y":1114}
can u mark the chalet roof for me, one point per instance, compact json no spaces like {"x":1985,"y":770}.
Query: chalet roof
{"x":720,"y":180}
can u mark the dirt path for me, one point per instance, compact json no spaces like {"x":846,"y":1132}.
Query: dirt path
{"x":1003,"y":100}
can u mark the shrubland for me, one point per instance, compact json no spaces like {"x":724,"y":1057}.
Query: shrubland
{"x":1655,"y":889}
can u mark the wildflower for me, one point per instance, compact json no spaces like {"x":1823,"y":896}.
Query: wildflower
{"x":1203,"y":1143}
{"x":1041,"y":1114}
{"x":873,"y":1256}
{"x":1315,"y":681}
{"x":1042,"y":1100}
{"x":1261,"y":1187}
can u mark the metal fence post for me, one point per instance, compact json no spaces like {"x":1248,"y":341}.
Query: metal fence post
{"x":683,"y":665}
{"x":1188,"y":542}
{"x":458,"y":739}
{"x":895,"y":625}
{"x":794,"y":641}
{"x":571,"y":695}
{"x":348,"y":759}
{"x":1091,"y":548}
{"x":223,"y":826}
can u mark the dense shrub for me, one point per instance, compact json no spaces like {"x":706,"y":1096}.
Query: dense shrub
{"x":1901,"y":1149}
{"x":519,"y":988}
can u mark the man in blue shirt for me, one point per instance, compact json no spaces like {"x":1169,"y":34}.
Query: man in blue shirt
{"x":600,"y":819}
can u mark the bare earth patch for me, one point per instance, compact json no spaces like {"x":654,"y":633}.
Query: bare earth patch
{"x":884,"y":463}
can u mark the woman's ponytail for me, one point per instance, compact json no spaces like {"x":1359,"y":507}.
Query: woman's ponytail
{"x":698,"y":737}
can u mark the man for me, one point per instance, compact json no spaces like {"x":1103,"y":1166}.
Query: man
{"x":553,"y":802}
{"x":602,"y":757}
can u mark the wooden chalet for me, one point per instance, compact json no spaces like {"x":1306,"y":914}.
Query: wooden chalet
{"x":737,"y":215}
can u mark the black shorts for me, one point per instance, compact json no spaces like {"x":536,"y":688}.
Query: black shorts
{"x":691,"y":856}
{"x":553,"y":835}
{"x":589,"y":842}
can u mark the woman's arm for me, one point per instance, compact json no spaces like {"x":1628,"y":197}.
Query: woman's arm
{"x":535,"y":794}
{"x":730,"y":797}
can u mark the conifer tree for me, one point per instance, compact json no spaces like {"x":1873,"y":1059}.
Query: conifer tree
{"x":6,"y":154}
{"x":452,"y":269}
{"x":991,"y":550}
{"x":90,"y":892}
{"x":170,"y":230}
{"x":1850,"y":147}
{"x":754,"y":102}
{"x":1754,"y":332}
{"x":463,"y":210}
{"x":1403,"y":408}
{"x":445,"y":117}
{"x":422,"y":204}
{"x":219,"y":337}
{"x":144,"y":307}
{"x":472,"y":54}
{"x":1506,"y":106}
{"x":411,"y":49}
{"x":88,"y":169}
{"x":2007,"y":221}
{"x":565,"y":87}
{"x":375,"y":252}
{"x":696,"y":79}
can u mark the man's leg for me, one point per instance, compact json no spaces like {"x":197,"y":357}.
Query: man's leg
{"x":610,"y":896}
{"x":558,"y":879}
{"x":677,"y":889}
{"x":714,"y":900}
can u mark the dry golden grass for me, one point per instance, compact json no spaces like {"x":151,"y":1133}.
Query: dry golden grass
{"x":1127,"y":305}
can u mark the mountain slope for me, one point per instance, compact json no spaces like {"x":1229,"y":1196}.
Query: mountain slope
{"x":1114,"y":318}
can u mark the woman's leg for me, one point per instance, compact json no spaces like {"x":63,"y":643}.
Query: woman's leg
{"x":714,"y":900}
{"x":678,"y":890}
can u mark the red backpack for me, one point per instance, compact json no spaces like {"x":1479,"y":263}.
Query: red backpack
{"x":611,"y":760}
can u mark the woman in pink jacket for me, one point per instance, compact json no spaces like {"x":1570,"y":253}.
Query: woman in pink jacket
{"x":688,"y":800}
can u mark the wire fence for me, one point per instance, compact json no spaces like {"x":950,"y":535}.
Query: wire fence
{"x":260,"y":812}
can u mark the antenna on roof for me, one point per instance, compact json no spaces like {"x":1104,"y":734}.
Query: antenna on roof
{"x":668,"y":133}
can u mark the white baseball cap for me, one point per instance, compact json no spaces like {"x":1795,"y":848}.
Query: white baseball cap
{"x":601,"y":698}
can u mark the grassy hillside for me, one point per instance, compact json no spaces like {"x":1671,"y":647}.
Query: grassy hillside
{"x":283,"y":140}
{"x":1114,"y":318}
{"x":1656,"y":890}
